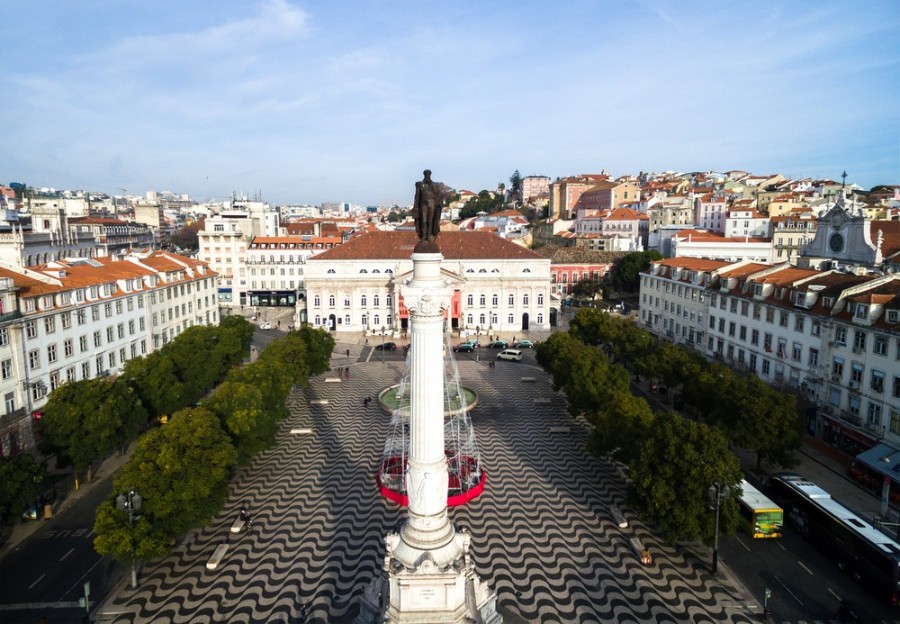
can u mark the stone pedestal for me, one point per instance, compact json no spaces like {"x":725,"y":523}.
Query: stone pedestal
{"x":428,"y":574}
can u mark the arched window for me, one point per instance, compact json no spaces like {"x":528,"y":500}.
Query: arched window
{"x":469,"y":271}
{"x":512,"y":300}
{"x":389,"y":321}
{"x":375,"y":271}
{"x":330,"y":271}
{"x":525,"y":299}
{"x":481,"y":300}
{"x":494,"y":300}
{"x":388,"y":270}
{"x":316,"y":303}
{"x":317,"y":321}
{"x":540,"y":318}
{"x":495,"y":270}
{"x":470,"y":321}
{"x":510,"y":319}
{"x":495,"y":320}
{"x":363,"y":271}
{"x":482,"y":270}
{"x":363,"y":300}
{"x":347,"y":319}
{"x":526,"y":270}
{"x":388,"y":301}
{"x":376,"y":300}
{"x":482,"y":321}
{"x":376,"y":320}
{"x":330,"y":301}
{"x":470,"y":300}
{"x":540,"y":300}
{"x":365,"y":321}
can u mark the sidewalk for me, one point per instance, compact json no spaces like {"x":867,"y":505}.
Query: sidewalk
{"x":25,"y":529}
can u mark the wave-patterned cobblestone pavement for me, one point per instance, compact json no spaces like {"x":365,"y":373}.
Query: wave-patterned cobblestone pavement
{"x":543,"y":534}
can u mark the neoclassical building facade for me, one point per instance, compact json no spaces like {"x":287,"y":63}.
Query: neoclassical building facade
{"x":497,"y":286}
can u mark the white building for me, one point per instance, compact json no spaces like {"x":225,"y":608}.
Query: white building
{"x":498,"y":286}
{"x":832,"y":336}
{"x":70,"y":320}
{"x":223,"y":244}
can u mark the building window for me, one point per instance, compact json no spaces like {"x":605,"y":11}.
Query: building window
{"x":51,"y":353}
{"x":317,"y":302}
{"x":331,"y":301}
{"x":6,"y":369}
{"x":68,"y":347}
{"x":4,"y":336}
{"x":34,"y":359}
{"x":877,"y":381}
{"x":512,"y":302}
{"x":859,"y":341}
{"x":363,"y":301}
{"x":880,"y":347}
{"x":31,"y":329}
{"x":540,"y":299}
{"x":495,"y":300}
{"x":525,"y":299}
{"x":470,"y":300}
{"x":66,"y":320}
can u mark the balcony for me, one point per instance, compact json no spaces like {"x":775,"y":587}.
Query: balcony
{"x":851,"y":418}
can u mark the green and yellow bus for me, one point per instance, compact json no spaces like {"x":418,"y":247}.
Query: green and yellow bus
{"x":761,"y":517}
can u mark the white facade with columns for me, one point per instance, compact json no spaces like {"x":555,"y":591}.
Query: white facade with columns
{"x":495,"y":285}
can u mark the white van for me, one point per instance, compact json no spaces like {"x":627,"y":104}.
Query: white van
{"x":510,"y":354}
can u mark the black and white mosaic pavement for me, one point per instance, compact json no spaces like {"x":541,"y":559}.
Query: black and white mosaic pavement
{"x":543,"y":534}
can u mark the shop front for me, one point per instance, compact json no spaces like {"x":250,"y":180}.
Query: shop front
{"x":272,"y":298}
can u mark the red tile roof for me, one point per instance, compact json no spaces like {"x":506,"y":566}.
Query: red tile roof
{"x":398,"y":245}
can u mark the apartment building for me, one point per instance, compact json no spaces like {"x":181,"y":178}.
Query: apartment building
{"x":832,"y":336}
{"x":76,"y":319}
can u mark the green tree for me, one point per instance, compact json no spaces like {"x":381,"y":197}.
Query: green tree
{"x":515,"y":185}
{"x":186,"y":237}
{"x":292,"y":352}
{"x":676,"y":463}
{"x":154,"y":379}
{"x":181,"y":471}
{"x":625,"y":275}
{"x":485,"y":201}
{"x":244,"y":415}
{"x":20,"y":485}
{"x":587,"y":289}
{"x":319,"y":347}
{"x":620,"y":426}
{"x":85,"y":420}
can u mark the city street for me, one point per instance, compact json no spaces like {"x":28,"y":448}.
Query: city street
{"x":45,"y":575}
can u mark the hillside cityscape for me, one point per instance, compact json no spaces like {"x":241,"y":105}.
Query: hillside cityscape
{"x":764,"y":309}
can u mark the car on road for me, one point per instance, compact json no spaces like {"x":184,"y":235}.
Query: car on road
{"x":265,"y":325}
{"x":498,"y":344}
{"x":524,"y":344}
{"x":510,"y":354}
{"x":466,"y":347}
{"x":386,"y":346}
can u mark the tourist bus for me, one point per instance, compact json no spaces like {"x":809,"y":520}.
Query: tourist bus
{"x":858,"y":548}
{"x":761,"y":517}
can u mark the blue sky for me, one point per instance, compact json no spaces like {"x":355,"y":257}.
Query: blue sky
{"x":313,"y":101}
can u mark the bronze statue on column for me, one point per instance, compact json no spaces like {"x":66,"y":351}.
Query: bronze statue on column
{"x":427,"y":208}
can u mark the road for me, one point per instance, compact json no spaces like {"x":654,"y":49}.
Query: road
{"x":45,"y":575}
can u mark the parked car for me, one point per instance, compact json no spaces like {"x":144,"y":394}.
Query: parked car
{"x":498,"y":344}
{"x":266,"y":325}
{"x":386,"y":346}
{"x":510,"y":354}
{"x":524,"y":344}
{"x":466,"y":347}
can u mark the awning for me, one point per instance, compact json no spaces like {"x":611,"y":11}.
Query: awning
{"x":883,"y":459}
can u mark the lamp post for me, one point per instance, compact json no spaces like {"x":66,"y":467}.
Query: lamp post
{"x":382,"y":344}
{"x":717,"y":494}
{"x":130,"y":502}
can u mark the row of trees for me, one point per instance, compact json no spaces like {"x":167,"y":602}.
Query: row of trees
{"x":182,"y":469}
{"x":672,"y":459}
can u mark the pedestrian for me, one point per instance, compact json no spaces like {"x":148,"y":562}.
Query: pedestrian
{"x":348,"y":352}
{"x":347,"y":373}
{"x":278,"y":325}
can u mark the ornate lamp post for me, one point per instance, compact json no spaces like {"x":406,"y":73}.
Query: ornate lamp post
{"x":130,"y":502}
{"x":382,"y":344}
{"x":717,"y":494}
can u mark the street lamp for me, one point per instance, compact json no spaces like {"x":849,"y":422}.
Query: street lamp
{"x":382,"y":344}
{"x":130,"y":502}
{"x":717,"y":494}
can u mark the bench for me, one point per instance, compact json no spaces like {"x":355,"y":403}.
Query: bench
{"x":332,"y":380}
{"x":217,"y":557}
{"x":300,"y":431}
{"x":527,"y":379}
{"x":238,"y":525}
{"x":618,"y":517}
{"x":319,"y":402}
{"x":542,"y":401}
{"x":559,"y":430}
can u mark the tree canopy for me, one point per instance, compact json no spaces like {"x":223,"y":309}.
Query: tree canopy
{"x":625,"y":275}
{"x":20,"y":485}
{"x":181,"y":472}
{"x":85,"y":420}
